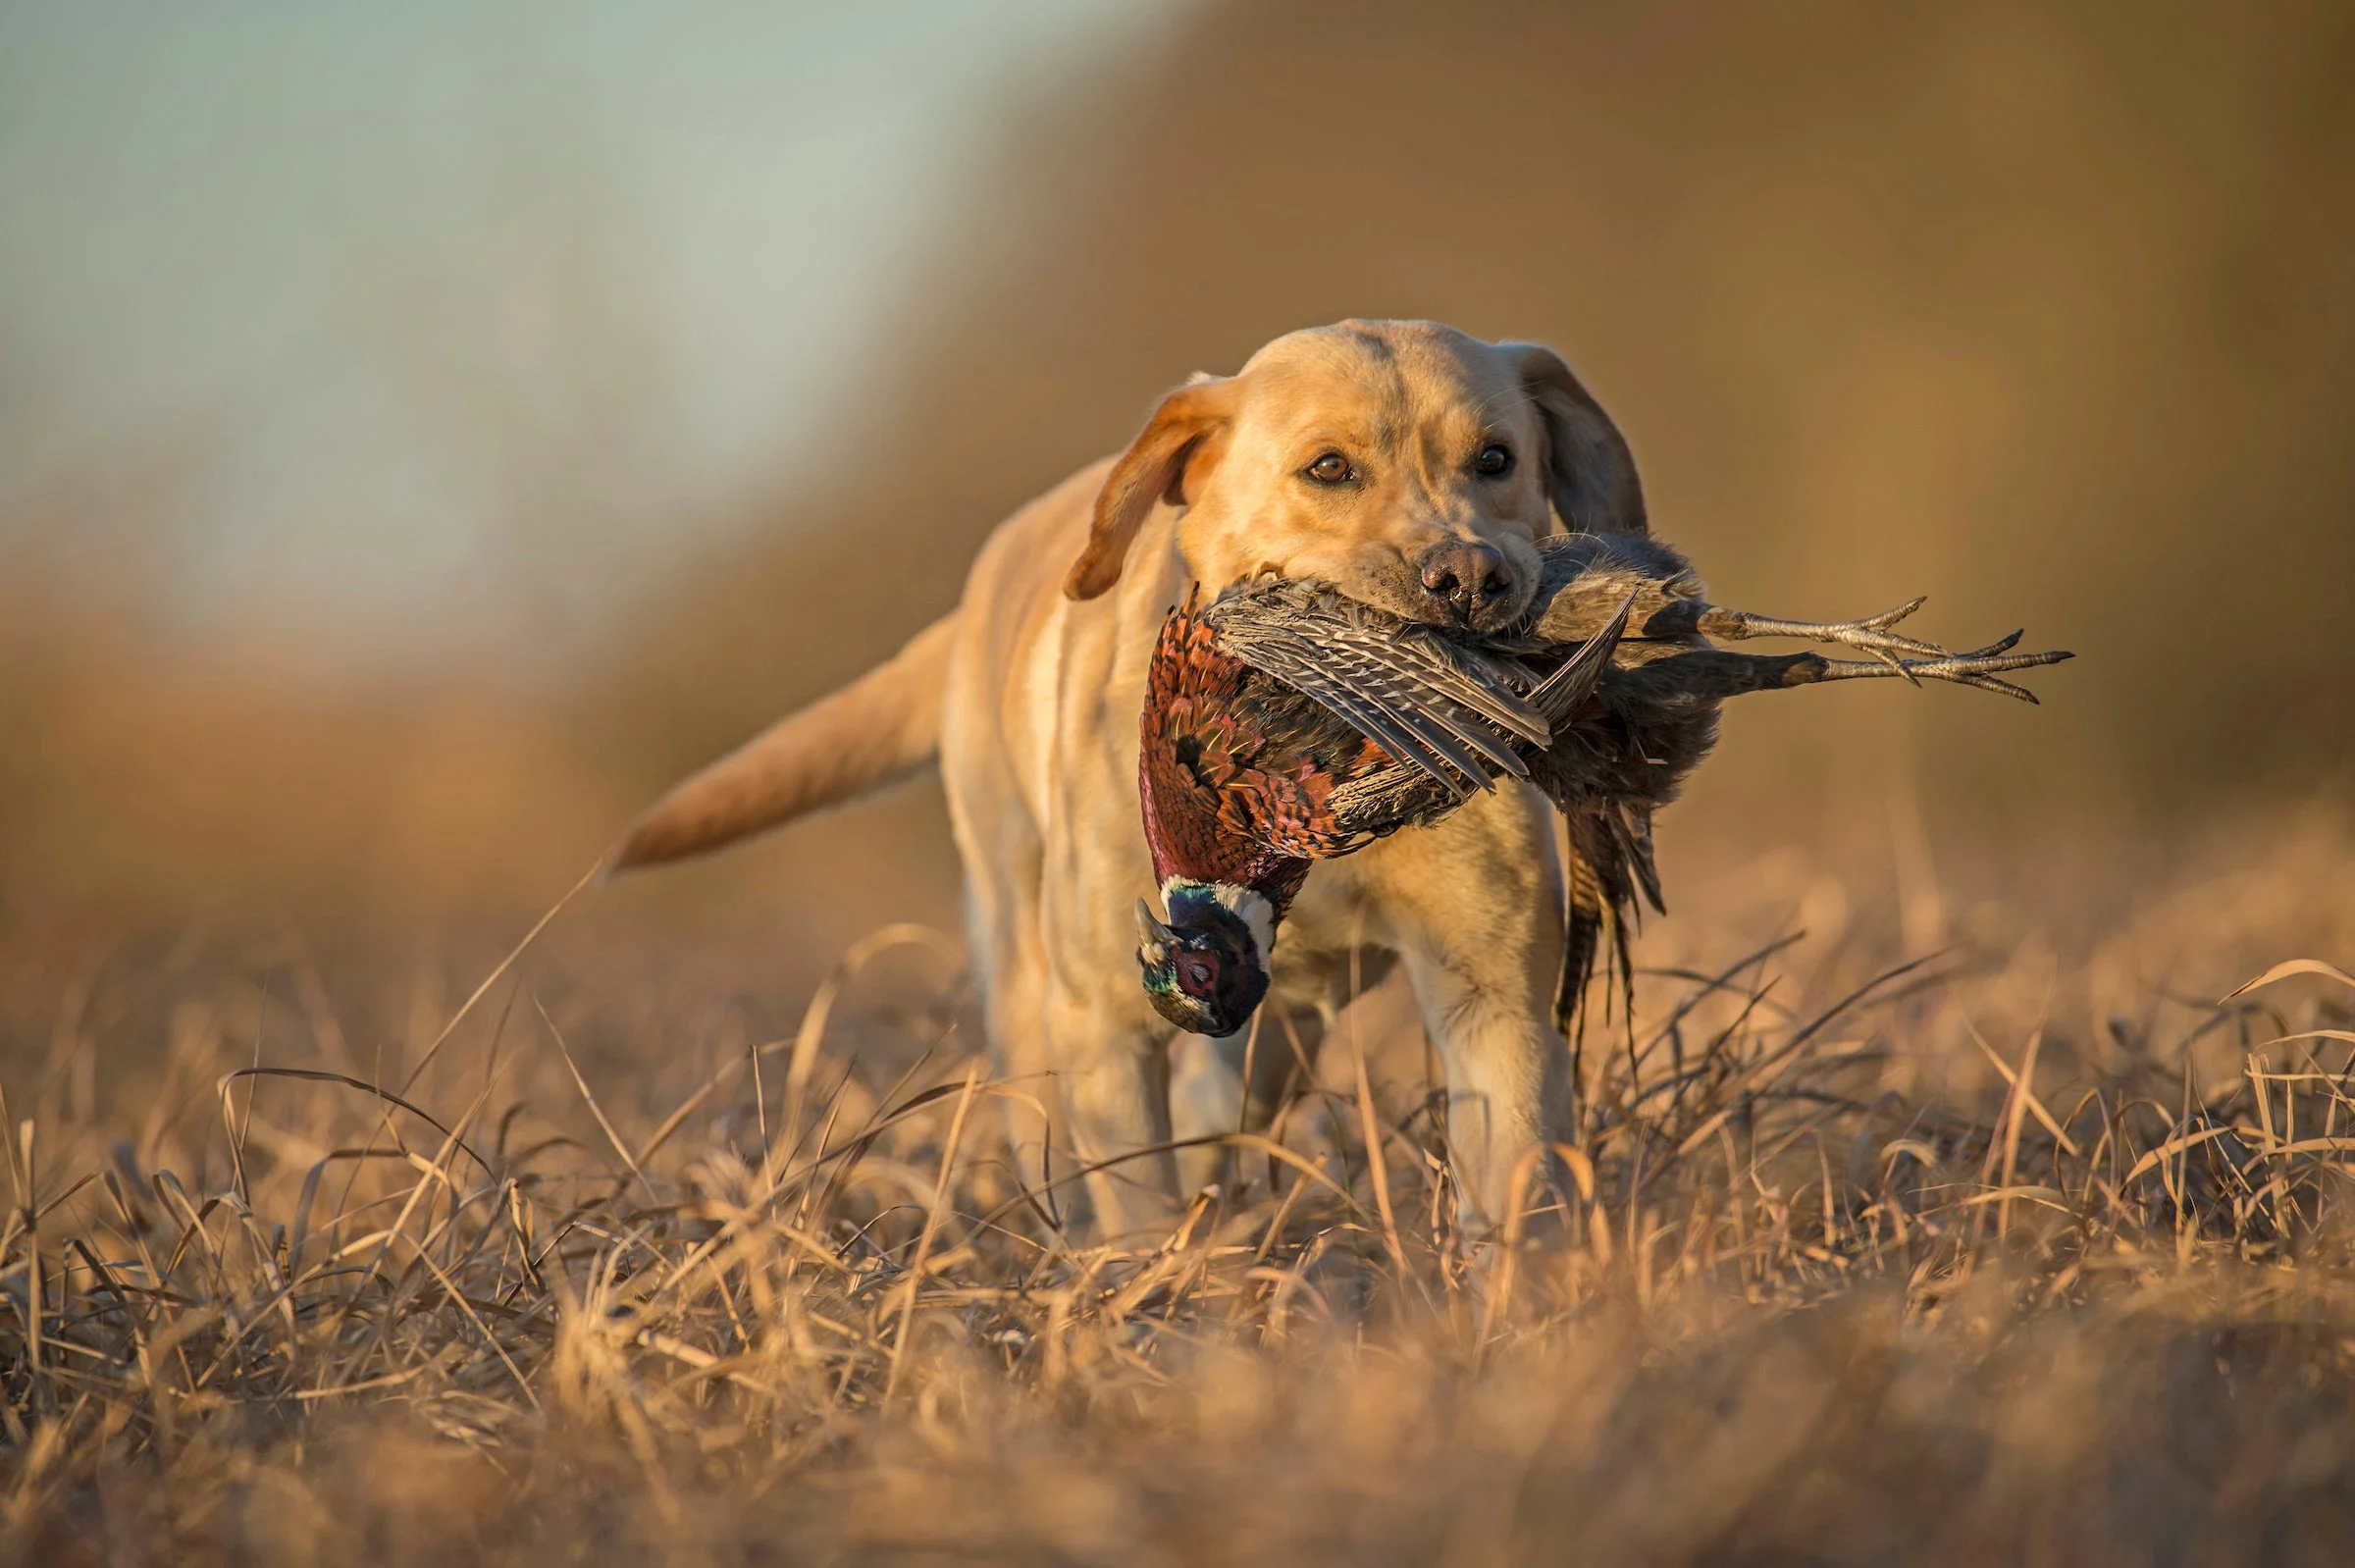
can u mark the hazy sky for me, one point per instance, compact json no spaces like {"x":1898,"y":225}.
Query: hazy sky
{"x":373,"y":310}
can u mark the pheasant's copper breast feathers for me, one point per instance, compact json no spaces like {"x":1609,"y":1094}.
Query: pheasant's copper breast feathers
{"x":1238,"y":771}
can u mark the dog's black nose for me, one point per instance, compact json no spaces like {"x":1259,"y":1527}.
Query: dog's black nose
{"x":1465,"y":577}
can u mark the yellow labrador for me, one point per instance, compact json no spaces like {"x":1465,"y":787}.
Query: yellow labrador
{"x":1407,"y":463}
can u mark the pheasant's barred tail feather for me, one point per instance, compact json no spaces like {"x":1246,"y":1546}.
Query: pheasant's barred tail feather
{"x":1611,"y":866}
{"x":1586,"y":919}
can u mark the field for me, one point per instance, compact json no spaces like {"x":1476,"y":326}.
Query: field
{"x":1947,"y":1199}
{"x":2018,"y":1247}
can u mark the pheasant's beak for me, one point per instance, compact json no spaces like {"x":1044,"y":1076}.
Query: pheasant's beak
{"x":1153,"y":940}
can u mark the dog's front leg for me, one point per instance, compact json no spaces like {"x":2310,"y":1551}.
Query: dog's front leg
{"x":1206,"y":1096}
{"x":1473,"y":910}
{"x":1113,"y":1073}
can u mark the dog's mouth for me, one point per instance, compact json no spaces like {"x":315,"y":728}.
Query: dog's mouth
{"x":1397,"y":585}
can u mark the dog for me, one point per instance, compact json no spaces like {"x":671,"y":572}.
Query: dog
{"x":1412,"y":466}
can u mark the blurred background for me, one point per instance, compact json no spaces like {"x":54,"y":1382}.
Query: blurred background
{"x":427,"y":430}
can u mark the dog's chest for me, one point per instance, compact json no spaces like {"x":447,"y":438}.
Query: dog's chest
{"x":1331,"y":918}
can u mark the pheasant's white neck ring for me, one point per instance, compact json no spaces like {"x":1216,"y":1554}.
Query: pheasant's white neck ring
{"x":1248,"y":905}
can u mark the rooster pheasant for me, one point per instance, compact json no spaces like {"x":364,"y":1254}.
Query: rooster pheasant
{"x":1284,"y":723}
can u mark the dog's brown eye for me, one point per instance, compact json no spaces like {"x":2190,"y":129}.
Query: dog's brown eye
{"x":1493,"y":463}
{"x":1331,"y":469}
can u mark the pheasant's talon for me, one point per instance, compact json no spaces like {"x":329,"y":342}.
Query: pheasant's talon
{"x":1895,"y":663}
{"x":1890,"y":617}
{"x":2001,"y":645}
{"x":1979,"y":669}
{"x":1868,"y":634}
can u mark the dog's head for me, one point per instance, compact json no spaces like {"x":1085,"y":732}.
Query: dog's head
{"x":1406,"y":463}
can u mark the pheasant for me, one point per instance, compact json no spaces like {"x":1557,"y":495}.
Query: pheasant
{"x":1248,"y":776}
{"x":1285,"y":723}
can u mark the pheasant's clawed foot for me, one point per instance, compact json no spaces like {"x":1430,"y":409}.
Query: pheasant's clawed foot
{"x":1980,"y":667}
{"x":1892,"y":653}
{"x":1870,"y":633}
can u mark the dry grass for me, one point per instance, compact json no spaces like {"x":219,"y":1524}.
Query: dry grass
{"x":2002,"y":1253}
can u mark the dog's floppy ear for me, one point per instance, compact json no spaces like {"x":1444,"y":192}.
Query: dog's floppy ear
{"x":1174,"y":446}
{"x":1590,"y":474}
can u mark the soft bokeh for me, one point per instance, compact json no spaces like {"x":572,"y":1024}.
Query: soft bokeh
{"x":428,"y":585}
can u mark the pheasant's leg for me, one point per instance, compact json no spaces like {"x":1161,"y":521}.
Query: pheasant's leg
{"x":1870,"y":633}
{"x":1710,"y":675}
{"x":1979,"y":667}
{"x":1474,"y":907}
{"x":1890,"y":654}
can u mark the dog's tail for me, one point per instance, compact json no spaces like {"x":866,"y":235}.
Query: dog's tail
{"x":881,"y":728}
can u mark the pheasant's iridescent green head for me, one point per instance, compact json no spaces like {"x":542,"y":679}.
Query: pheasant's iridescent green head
{"x":1206,"y":970}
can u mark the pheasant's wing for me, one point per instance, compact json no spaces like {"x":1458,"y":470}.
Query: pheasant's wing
{"x":1564,"y":692}
{"x":1421,"y":658}
{"x":1313,"y":643}
{"x":1386,"y":698}
{"x":1380,"y":709}
{"x":1382,"y":799}
{"x":1437,"y":707}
